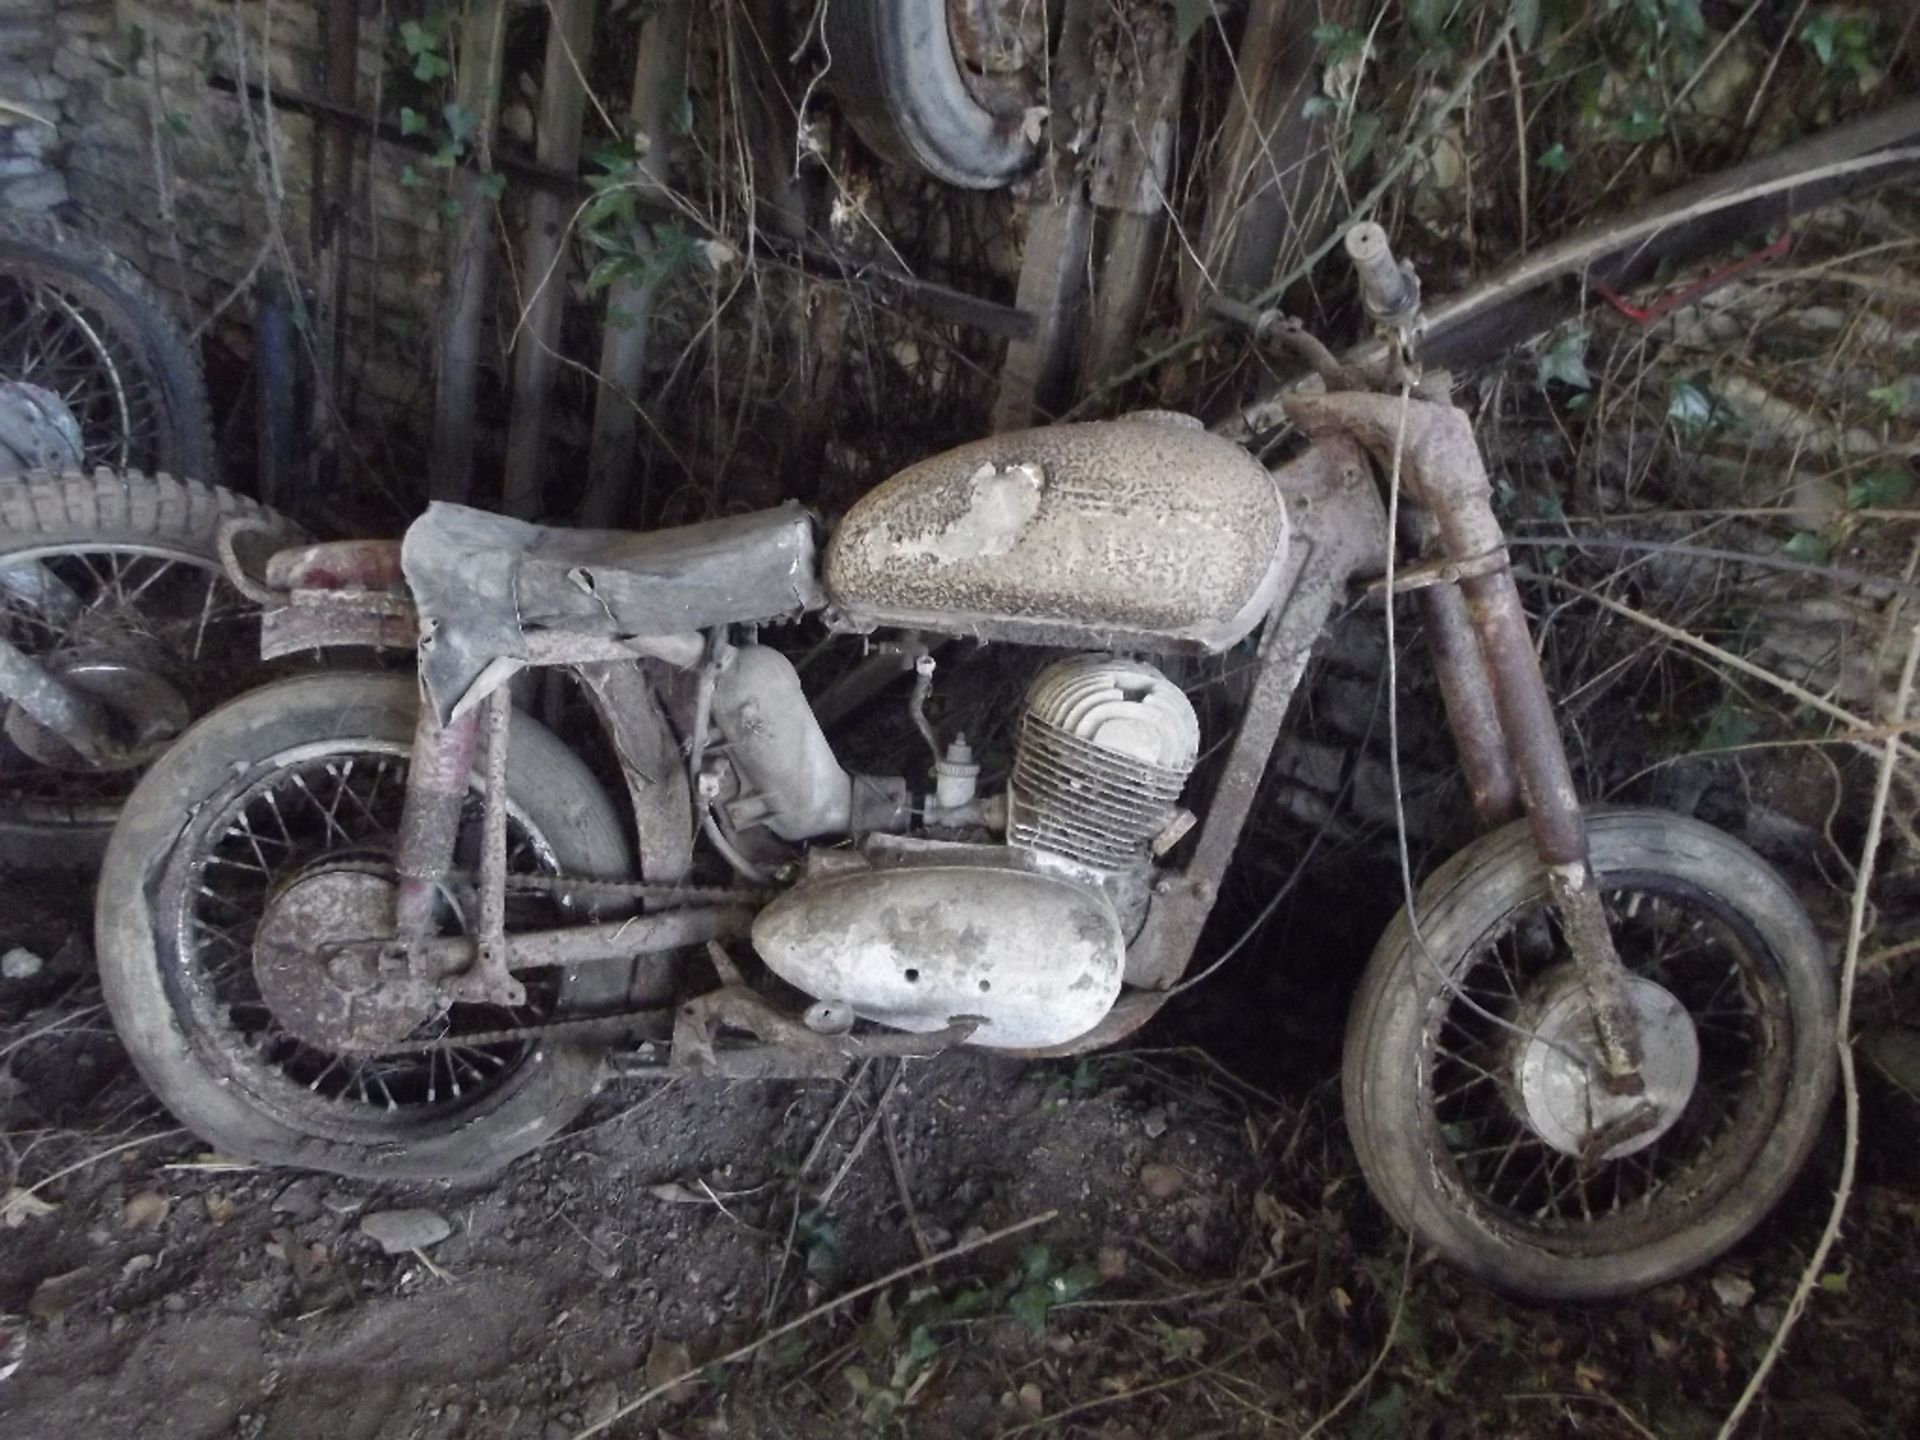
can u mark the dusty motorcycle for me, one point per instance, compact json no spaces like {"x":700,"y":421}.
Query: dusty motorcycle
{"x":389,"y":926}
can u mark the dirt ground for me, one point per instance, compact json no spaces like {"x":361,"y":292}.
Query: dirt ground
{"x":1212,"y":1265}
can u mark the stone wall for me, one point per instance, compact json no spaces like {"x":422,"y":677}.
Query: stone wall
{"x":31,"y":133}
{"x":204,"y":192}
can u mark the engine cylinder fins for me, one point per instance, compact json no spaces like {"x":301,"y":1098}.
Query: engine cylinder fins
{"x":1104,"y":749}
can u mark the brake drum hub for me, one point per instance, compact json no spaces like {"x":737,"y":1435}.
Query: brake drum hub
{"x":1557,"y":1069}
{"x":302,"y":927}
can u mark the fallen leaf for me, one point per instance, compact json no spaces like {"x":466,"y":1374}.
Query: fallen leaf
{"x":145,"y":1211}
{"x":219,"y":1208}
{"x":1111,"y":1262}
{"x":1735,"y":1291}
{"x":1589,"y":1377}
{"x":674,"y":1193}
{"x":1342,"y":1301}
{"x":667,"y":1362}
{"x":1664,"y":1347}
{"x":22,"y":1205}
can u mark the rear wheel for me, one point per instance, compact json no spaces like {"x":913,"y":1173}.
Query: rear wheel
{"x":79,"y":321}
{"x":113,"y":581}
{"x":1470,"y":1060}
{"x":289,"y":792}
{"x":941,"y":86}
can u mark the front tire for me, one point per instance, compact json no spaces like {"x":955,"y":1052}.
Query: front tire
{"x":1437,"y":1098}
{"x":177,"y":907}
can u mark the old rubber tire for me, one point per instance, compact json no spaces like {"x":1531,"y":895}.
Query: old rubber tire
{"x":140,"y":332}
{"x":44,"y":516}
{"x":142,"y":981}
{"x":892,"y":68}
{"x":1467,"y":899}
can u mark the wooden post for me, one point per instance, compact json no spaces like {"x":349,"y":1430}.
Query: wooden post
{"x":659,"y":75}
{"x":1037,"y":373}
{"x":331,"y":221}
{"x":543,"y":266}
{"x":1265,"y":207}
{"x":1133,"y":158}
{"x":469,"y":259}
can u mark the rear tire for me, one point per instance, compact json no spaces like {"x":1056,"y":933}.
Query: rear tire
{"x":81,"y":527}
{"x":894,"y":72}
{"x":150,"y":410}
{"x":193,"y":1054}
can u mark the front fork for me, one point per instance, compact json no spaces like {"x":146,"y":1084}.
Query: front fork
{"x":1509,"y":741}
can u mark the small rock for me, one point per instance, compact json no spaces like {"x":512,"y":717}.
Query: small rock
{"x":1031,"y":1400}
{"x":301,"y":1199}
{"x":174,"y":1304}
{"x":338,"y":1202}
{"x":399,"y":1231}
{"x":1735,"y":1291}
{"x":135,"y":1264}
{"x":556,"y":1430}
{"x":1162,"y":1182}
{"x":145,"y":1211}
{"x":1111,"y":1262}
{"x":20,"y":963}
{"x":1154,"y":1122}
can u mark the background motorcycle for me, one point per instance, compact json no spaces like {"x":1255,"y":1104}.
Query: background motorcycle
{"x":117,"y":626}
{"x":388,"y":928}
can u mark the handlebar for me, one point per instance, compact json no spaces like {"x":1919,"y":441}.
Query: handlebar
{"x":1390,"y":290}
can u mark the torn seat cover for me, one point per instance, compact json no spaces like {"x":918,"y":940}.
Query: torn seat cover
{"x":1142,"y":532}
{"x":483,"y":582}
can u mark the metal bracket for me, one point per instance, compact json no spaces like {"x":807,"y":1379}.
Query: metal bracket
{"x":1441,"y":572}
{"x":788,"y":1050}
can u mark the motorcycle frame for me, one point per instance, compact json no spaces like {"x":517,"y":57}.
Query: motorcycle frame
{"x":1495,"y":697}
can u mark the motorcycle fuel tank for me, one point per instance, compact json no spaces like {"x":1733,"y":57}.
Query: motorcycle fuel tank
{"x":1037,"y":959}
{"x":1144,"y":532}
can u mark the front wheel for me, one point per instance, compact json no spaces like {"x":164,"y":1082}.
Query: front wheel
{"x":266,"y":821}
{"x":1469,"y":1054}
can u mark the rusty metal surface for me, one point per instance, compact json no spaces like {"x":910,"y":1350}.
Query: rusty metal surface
{"x":337,"y":565}
{"x":438,"y":776}
{"x":1339,"y":531}
{"x":787,"y":1049}
{"x":1072,"y":533}
{"x":1467,"y":693}
{"x":327,"y":619}
{"x":483,"y":583}
{"x":332,"y":1008}
{"x":650,"y":763}
{"x":1441,"y":467}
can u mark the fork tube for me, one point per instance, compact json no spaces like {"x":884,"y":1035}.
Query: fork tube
{"x":437,"y":783}
{"x":1473,"y":717}
{"x":1469,"y":531}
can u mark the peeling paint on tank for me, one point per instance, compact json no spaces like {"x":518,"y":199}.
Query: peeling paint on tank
{"x":1002,"y":503}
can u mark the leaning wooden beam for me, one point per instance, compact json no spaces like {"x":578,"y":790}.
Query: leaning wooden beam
{"x":1264,"y":206}
{"x":543,"y":238}
{"x":1133,"y":159}
{"x":659,"y":77}
{"x":469,"y":257}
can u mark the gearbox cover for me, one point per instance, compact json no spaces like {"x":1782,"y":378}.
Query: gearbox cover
{"x":1035,"y":957}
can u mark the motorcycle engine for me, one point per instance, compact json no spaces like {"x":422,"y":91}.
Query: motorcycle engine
{"x":1024,"y":938}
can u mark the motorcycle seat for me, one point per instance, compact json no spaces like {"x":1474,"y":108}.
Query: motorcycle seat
{"x":482,"y":582}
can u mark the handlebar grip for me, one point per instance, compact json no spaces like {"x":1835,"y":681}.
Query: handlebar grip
{"x":1390,"y":291}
